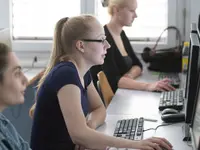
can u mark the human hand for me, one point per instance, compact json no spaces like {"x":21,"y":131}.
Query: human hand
{"x":154,"y":143}
{"x":162,"y":85}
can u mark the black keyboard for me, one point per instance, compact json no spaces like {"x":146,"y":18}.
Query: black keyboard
{"x":172,"y":99}
{"x":174,"y":77}
{"x":130,"y":128}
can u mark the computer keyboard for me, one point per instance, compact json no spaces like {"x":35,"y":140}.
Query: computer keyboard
{"x":172,"y":99}
{"x":130,"y":128}
{"x":174,"y":77}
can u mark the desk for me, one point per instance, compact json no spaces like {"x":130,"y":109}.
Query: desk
{"x":167,"y":132}
{"x":131,"y":103}
{"x":128,"y":102}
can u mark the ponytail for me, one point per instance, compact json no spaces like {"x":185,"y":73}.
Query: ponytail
{"x":58,"y":49}
{"x":57,"y":52}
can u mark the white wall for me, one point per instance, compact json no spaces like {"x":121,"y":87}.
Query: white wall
{"x":5,"y":36}
{"x":195,"y":10}
{"x":4,"y":14}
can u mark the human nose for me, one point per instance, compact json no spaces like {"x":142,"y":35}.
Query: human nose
{"x":107,"y":45}
{"x":24,"y":80}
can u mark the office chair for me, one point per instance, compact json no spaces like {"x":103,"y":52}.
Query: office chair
{"x":105,"y":88}
{"x":100,"y":93}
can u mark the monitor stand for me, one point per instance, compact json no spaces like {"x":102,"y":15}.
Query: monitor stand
{"x":186,"y":132}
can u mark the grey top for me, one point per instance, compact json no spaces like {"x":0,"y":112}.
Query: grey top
{"x":9,"y":137}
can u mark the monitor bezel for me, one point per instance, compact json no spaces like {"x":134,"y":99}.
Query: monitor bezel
{"x":193,"y":29}
{"x":193,"y":77}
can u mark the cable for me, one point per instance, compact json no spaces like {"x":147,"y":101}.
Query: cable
{"x":35,"y":59}
{"x":188,"y":139}
{"x":148,"y":129}
{"x":161,"y":125}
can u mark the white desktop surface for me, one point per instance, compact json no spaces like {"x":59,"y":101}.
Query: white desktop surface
{"x":132,"y":103}
{"x":128,"y":102}
{"x":173,"y":133}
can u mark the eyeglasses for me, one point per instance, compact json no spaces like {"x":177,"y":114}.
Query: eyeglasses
{"x":103,"y":41}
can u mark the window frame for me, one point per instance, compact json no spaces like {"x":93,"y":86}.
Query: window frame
{"x":88,"y":7}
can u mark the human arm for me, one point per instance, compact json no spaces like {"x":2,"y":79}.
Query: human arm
{"x":81,"y":134}
{"x":134,"y":72}
{"x":124,"y":81}
{"x":128,"y":83}
{"x":97,"y":114}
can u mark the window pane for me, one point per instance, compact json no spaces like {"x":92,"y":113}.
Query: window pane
{"x":37,"y":18}
{"x":151,"y":21}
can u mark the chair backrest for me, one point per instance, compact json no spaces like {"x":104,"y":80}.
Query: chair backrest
{"x":105,"y":88}
{"x":100,"y":93}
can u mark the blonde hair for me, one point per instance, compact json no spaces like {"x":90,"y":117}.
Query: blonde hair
{"x":112,"y":3}
{"x":67,"y":31}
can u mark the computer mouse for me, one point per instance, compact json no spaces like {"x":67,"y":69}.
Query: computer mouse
{"x":172,"y":118}
{"x":169,"y":111}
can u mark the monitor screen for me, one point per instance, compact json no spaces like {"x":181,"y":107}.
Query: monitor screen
{"x":195,"y":127}
{"x":193,"y":29}
{"x":192,"y":77}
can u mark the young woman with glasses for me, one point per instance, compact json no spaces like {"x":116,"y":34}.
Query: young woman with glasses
{"x":68,"y":107}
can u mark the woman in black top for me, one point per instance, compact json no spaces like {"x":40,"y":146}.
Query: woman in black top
{"x":121,"y":65}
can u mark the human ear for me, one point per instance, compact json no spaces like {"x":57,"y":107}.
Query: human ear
{"x":80,"y":46}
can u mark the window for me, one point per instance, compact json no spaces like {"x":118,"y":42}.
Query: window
{"x":35,"y":19}
{"x":151,"y":21}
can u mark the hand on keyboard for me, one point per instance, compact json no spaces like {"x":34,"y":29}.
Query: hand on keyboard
{"x":162,"y":85}
{"x":154,"y":143}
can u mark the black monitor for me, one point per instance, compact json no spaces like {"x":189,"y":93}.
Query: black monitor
{"x":192,"y":81}
{"x":195,"y":124}
{"x":193,"y":67}
{"x":193,"y":29}
{"x":199,"y":22}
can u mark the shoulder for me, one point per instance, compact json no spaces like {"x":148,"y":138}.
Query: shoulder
{"x":63,"y":70}
{"x":62,"y":74}
{"x":6,"y":128}
{"x":64,"y":67}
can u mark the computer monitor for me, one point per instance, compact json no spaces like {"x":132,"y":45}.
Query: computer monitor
{"x":199,"y":22}
{"x":192,"y":81}
{"x":193,"y":29}
{"x":193,"y":76}
{"x":195,"y":124}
